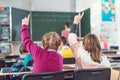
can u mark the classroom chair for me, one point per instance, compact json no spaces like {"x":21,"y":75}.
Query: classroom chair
{"x":92,"y":74}
{"x":12,"y":56}
{"x":30,"y":63}
{"x":2,"y":63}
{"x":69,"y":60}
{"x":57,"y":75}
{"x":69,"y":75}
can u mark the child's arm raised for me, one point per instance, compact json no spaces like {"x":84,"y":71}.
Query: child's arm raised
{"x":26,"y":20}
{"x":25,"y":37}
{"x":72,"y":38}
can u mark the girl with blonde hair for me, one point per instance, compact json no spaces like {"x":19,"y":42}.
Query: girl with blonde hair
{"x":45,"y":59}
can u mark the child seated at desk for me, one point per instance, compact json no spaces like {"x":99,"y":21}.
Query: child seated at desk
{"x":65,"y":50}
{"x":21,"y":67}
{"x":89,"y":55}
{"x":45,"y":59}
{"x":27,"y":58}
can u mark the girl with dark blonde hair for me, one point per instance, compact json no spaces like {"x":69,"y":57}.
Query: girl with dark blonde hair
{"x":51,"y":40}
{"x":45,"y":59}
{"x":89,"y":54}
{"x":92,"y":45}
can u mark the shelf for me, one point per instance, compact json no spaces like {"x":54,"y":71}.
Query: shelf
{"x":5,"y":52}
{"x":1,"y":39}
{"x":2,"y":25}
{"x":109,"y":52}
{"x":16,"y":42}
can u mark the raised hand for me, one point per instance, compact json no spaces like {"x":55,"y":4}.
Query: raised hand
{"x":78,"y":18}
{"x":25,"y":21}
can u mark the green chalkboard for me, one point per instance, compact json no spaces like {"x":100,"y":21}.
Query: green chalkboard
{"x":85,"y":23}
{"x":43,"y":22}
{"x":17,"y":16}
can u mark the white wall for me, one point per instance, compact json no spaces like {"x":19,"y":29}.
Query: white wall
{"x":41,"y":5}
{"x":82,"y":5}
{"x":53,"y":5}
{"x":113,"y":28}
{"x":22,"y":4}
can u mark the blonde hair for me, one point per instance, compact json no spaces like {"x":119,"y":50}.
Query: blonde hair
{"x":92,"y":45}
{"x":51,"y":40}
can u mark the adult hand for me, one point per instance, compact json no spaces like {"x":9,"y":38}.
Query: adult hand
{"x":26,"y":20}
{"x":78,"y":18}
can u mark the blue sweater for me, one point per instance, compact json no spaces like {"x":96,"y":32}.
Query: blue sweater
{"x":27,"y":59}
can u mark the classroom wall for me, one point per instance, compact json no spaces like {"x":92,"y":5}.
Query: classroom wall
{"x":82,"y":5}
{"x":53,"y":5}
{"x":112,"y":28}
{"x":22,"y":4}
{"x":118,"y":13}
{"x":49,"y":5}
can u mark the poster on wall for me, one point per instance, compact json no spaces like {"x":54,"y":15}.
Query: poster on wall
{"x":108,"y":10}
{"x":104,"y":23}
{"x":108,"y":32}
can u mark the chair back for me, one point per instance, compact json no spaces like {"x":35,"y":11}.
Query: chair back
{"x":69,"y":60}
{"x":92,"y":74}
{"x":2,"y":63}
{"x":30,"y":63}
{"x":12,"y":56}
{"x":58,"y":75}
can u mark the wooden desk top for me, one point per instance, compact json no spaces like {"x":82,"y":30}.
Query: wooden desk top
{"x":109,"y":51}
{"x":15,"y":73}
{"x":68,"y":67}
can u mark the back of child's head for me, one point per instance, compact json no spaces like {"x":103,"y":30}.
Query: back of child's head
{"x":92,"y":45}
{"x":63,"y":40}
{"x":51,"y":40}
{"x":67,"y":24}
{"x":91,"y":42}
{"x":22,"y":49}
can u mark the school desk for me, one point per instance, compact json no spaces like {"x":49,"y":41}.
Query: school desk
{"x":69,"y":67}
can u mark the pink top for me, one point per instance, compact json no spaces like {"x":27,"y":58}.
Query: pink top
{"x":65,"y":33}
{"x":44,"y":60}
